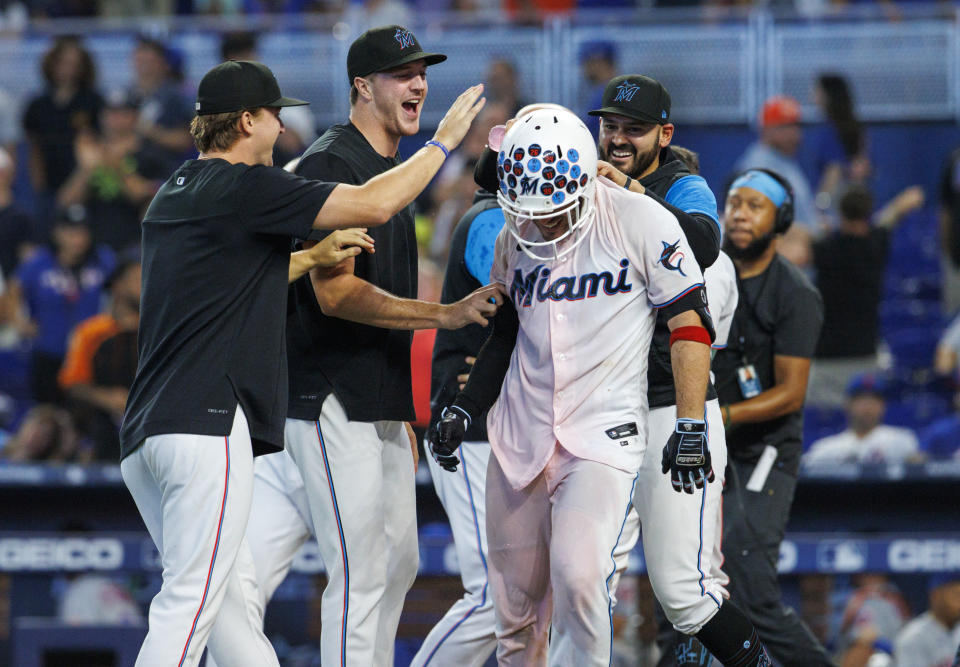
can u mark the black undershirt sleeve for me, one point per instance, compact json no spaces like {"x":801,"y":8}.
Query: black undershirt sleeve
{"x":702,"y":232}
{"x":485,"y":173}
{"x":493,"y":360}
{"x":695,"y":300}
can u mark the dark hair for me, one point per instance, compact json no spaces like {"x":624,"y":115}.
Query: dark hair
{"x":88,"y":71}
{"x":237,"y":42}
{"x":838,"y":103}
{"x":856,"y":203}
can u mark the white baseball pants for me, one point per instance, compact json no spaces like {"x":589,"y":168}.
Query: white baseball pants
{"x":551,"y":558}
{"x":466,"y":635}
{"x":279,"y":524}
{"x":360,"y":486}
{"x":681,"y":530}
{"x":193,"y":492}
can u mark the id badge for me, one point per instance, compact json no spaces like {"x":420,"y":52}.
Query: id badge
{"x":749,"y":381}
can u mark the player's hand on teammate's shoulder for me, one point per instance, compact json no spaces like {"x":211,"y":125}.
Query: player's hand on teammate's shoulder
{"x":339,"y":245}
{"x":686,"y":456}
{"x":617,"y":177}
{"x":453,"y":128}
{"x":475,"y":308}
{"x":447,"y":437}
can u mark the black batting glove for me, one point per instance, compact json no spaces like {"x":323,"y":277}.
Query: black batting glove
{"x":448,"y":437}
{"x":687,"y":456}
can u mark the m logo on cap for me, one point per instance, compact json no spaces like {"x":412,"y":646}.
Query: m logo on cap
{"x":625,"y":92}
{"x":405,"y":37}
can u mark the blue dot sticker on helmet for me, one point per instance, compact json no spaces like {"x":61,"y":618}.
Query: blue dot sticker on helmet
{"x":533,"y":165}
{"x":573,"y":155}
{"x":501,"y":157}
{"x":574,"y":170}
{"x":512,"y":181}
{"x":563,"y":166}
{"x":558,"y":197}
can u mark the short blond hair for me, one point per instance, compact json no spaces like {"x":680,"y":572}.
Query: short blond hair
{"x":217,"y":131}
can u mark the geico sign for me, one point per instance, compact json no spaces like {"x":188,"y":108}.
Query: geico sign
{"x":924,"y":555}
{"x":70,"y":553}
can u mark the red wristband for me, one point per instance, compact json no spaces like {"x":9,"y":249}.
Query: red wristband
{"x":696,"y":334}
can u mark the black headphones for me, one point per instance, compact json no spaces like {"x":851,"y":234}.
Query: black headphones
{"x":785,"y":211}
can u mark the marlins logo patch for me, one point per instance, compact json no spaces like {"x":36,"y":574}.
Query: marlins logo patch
{"x":405,"y":37}
{"x":671,"y":257}
{"x":625,"y":92}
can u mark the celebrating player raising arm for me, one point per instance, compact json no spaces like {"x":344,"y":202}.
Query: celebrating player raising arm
{"x":210,"y":390}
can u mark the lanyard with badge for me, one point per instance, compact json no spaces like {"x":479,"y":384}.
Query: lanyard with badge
{"x":747,"y":376}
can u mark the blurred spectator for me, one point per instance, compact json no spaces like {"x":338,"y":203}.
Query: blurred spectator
{"x":871,"y":619}
{"x":18,"y":231}
{"x":850,"y":263}
{"x":165,"y":113}
{"x":866,"y":439}
{"x":535,"y":11}
{"x":117,"y":174}
{"x":46,"y":433}
{"x":95,"y":599}
{"x":299,"y":122}
{"x":930,"y":640}
{"x":62,"y":8}
{"x":10,"y":129}
{"x":776,"y":149}
{"x":950,"y":232}
{"x":453,"y":193}
{"x":941,"y":439}
{"x":503,"y":87}
{"x":69,"y":105}
{"x":60,"y":286}
{"x":946,"y":359}
{"x":598,"y":64}
{"x":839,"y":144}
{"x":101,"y":362}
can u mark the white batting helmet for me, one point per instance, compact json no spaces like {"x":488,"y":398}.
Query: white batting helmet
{"x":547,"y":167}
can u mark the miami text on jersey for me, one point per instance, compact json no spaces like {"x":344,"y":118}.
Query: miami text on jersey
{"x":567,"y":288}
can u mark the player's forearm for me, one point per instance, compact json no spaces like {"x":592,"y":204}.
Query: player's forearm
{"x":383,"y":196}
{"x":691,"y":373}
{"x":356,"y":300}
{"x":301,"y":262}
{"x":775,"y":402}
{"x":493,"y":361}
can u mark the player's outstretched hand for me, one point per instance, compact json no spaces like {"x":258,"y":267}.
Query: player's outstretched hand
{"x":340,"y":245}
{"x":475,"y":308}
{"x":453,"y":128}
{"x":448,"y":437}
{"x":687,"y":456}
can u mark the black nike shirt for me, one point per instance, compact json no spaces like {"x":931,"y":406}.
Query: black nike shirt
{"x":216,"y":254}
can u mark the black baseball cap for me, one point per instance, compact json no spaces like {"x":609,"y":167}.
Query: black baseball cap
{"x":240,"y":84}
{"x":636,"y":96}
{"x":384,"y":48}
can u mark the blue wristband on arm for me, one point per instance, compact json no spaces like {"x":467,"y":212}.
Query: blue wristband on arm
{"x":434,"y":142}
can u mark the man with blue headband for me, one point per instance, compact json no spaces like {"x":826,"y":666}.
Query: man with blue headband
{"x":761,"y":382}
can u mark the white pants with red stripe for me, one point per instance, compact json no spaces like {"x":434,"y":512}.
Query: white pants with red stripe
{"x":360,"y":486}
{"x":551,"y":547}
{"x":193,"y":493}
{"x":466,"y":635}
{"x":279,"y":524}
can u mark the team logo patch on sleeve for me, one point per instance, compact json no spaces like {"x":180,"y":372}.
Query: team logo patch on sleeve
{"x":671,"y":257}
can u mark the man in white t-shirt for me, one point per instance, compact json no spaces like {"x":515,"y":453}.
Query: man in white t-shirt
{"x":930,"y":640}
{"x":866,"y":439}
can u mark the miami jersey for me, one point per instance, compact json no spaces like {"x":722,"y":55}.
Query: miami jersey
{"x":578,"y":371}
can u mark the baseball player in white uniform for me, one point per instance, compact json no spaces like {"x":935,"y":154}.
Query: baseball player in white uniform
{"x":568,"y":361}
